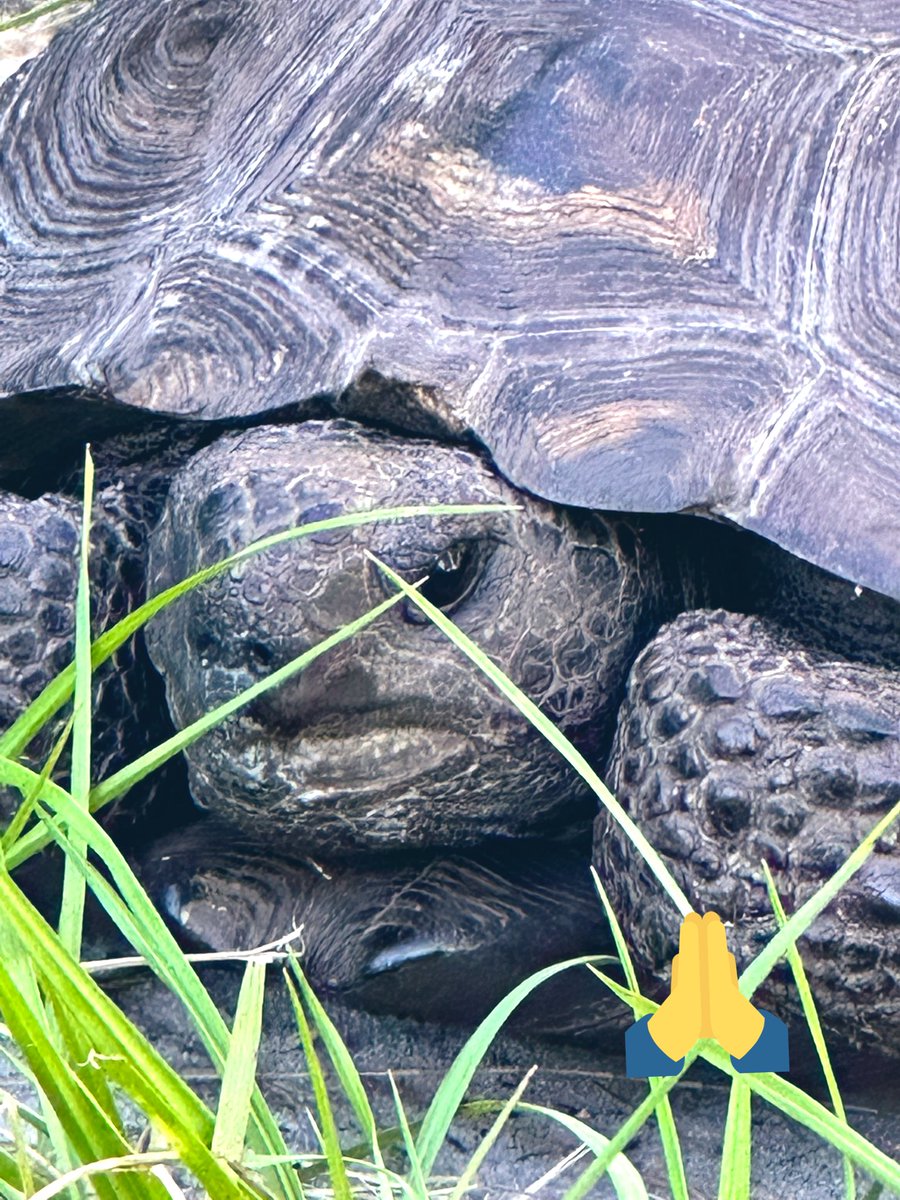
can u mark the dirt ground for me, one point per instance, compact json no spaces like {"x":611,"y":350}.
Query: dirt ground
{"x":788,"y":1161}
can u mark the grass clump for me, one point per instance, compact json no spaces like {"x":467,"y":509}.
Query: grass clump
{"x":83,"y":1057}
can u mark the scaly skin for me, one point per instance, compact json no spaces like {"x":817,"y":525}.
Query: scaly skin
{"x":737,"y":744}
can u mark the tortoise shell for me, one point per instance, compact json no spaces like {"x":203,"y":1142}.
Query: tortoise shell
{"x":646,"y":253}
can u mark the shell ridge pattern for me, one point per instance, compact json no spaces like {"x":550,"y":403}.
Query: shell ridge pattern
{"x":612,"y":241}
{"x":804,"y":34}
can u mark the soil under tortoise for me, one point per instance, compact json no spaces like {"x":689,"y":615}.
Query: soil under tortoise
{"x":641,"y":257}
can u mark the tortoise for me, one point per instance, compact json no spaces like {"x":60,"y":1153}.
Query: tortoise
{"x":630,"y":266}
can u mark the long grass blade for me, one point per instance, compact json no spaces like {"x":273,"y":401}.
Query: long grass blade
{"x":20,"y":818}
{"x":87,"y":1127}
{"x":418,"y":1183}
{"x":623,"y":1175}
{"x":626,"y":1131}
{"x":22,"y":976}
{"x":554,"y":736}
{"x":780,"y":1093}
{"x":24,"y":1113}
{"x":795,"y":1104}
{"x":665,"y":1118}
{"x":129,"y":1060}
{"x":10,"y":1110}
{"x":60,"y":689}
{"x":137,"y":919}
{"x":12,"y":1183}
{"x":107,"y":1166}
{"x":470,"y":1172}
{"x":336,"y":1168}
{"x":452,"y":1089}
{"x":734,"y":1177}
{"x":345,"y":1069}
{"x":239,"y":1076}
{"x":71,"y":913}
{"x":812,"y":1021}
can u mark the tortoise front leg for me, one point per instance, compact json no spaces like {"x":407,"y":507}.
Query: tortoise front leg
{"x":434,"y":935}
{"x":737,"y":745}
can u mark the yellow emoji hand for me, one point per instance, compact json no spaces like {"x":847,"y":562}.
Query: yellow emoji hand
{"x":733,"y":1021}
{"x":704,"y":1001}
{"x":677,"y":1023}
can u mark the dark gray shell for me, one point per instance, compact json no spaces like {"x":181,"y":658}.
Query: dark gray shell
{"x":647,"y":253}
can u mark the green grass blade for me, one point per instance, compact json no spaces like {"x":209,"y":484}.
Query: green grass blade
{"x":345,"y":1069}
{"x":813,"y":1022}
{"x":626,"y":1131}
{"x":34,"y":14}
{"x":665,"y":1118}
{"x":134,"y":915}
{"x":87,"y":1127}
{"x":109,"y":1166}
{"x":623,"y":1175}
{"x":671,"y":1144}
{"x":21,"y":972}
{"x":639,"y":1005}
{"x":21,"y":1148}
{"x":23,"y":1112}
{"x":417,"y":1180}
{"x":778,"y":1092}
{"x":335,"y":1156}
{"x":129,"y":1060}
{"x":89,"y":1067}
{"x":781,"y":1094}
{"x":26,"y":808}
{"x":13,"y":1185}
{"x":473,"y":1166}
{"x":239,"y":1077}
{"x":554,"y":736}
{"x":60,"y":689}
{"x":452,"y":1089}
{"x":624,"y":954}
{"x":118,"y":784}
{"x":734,"y":1178}
{"x":795,"y":1104}
{"x":71,"y":914}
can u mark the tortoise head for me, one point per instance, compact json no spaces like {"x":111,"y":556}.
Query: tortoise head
{"x":392,"y":737}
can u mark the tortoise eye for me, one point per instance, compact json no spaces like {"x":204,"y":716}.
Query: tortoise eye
{"x":451,"y":579}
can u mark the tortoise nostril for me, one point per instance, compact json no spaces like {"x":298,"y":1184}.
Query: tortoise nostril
{"x":205,"y":644}
{"x":260,"y":654}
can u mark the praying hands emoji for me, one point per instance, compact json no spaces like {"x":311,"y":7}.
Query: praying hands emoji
{"x":705,"y":1003}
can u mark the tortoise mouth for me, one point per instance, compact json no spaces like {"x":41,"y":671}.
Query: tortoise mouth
{"x":381,"y":755}
{"x":364,"y":752}
{"x":347,"y":722}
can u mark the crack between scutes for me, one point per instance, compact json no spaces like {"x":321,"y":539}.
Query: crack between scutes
{"x":773,"y":436}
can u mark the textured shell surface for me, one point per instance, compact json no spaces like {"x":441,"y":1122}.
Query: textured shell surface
{"x":646,"y":252}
